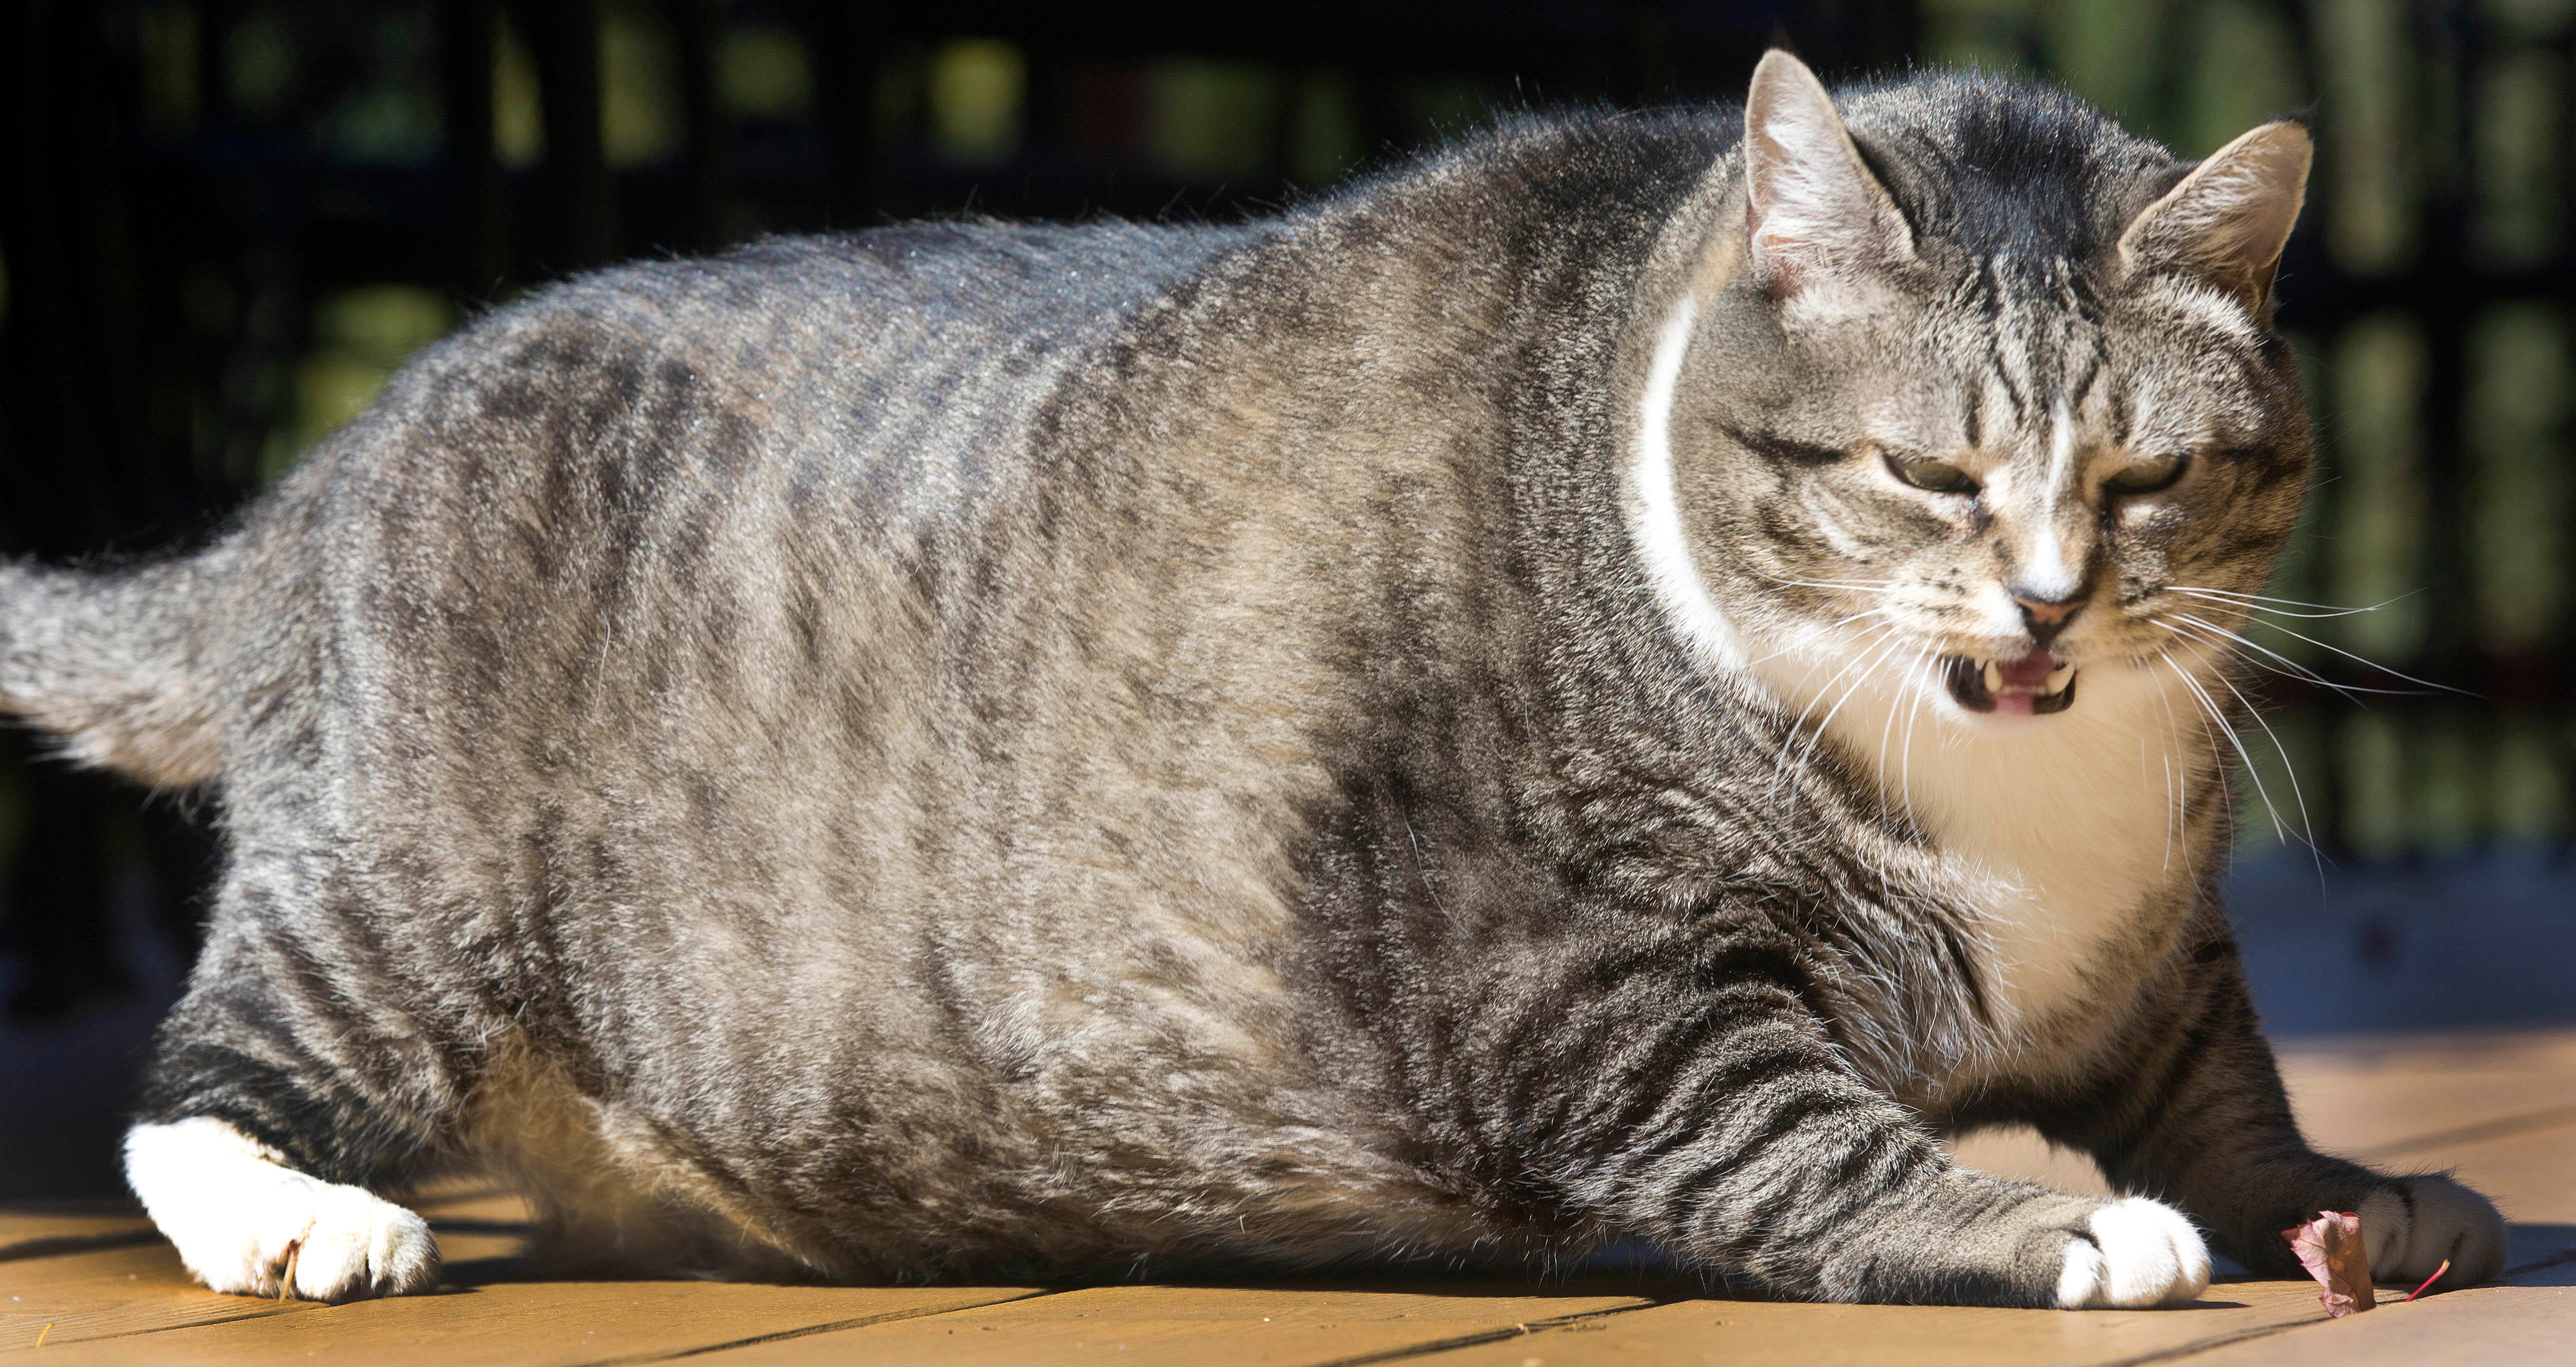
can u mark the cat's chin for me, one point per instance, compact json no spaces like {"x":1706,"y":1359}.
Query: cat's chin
{"x":2035,"y":685}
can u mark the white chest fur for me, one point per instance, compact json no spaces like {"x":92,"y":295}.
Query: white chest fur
{"x":2067,"y":823}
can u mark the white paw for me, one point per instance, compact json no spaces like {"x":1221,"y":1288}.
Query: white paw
{"x":2448,"y":1221}
{"x":2142,"y":1253}
{"x":244,"y":1222}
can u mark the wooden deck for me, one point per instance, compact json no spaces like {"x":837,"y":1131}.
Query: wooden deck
{"x":95,"y":1285}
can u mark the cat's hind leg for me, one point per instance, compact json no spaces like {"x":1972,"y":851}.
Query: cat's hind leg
{"x":246,"y":1222}
{"x":282,"y":1086}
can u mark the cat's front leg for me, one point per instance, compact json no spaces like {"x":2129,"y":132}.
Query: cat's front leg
{"x":1708,"y":1110}
{"x":2191,"y":1107}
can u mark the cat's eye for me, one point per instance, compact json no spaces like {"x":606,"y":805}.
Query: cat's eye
{"x":2146,"y":476}
{"x":1936,"y":476}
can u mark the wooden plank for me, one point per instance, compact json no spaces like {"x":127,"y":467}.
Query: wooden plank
{"x":2530,"y":1174}
{"x":34,"y":1231}
{"x":2376,"y":1096}
{"x":108,"y":1293}
{"x":535,"y":1324}
{"x":2406,"y":1102}
{"x":112,"y":1292}
{"x":2019,"y":1152}
{"x":479,"y":1207}
{"x":2532,"y":1320}
{"x":1757,"y":1333}
{"x":1189,"y":1326}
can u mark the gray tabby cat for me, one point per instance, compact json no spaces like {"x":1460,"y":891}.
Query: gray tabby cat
{"x":1530,"y":703}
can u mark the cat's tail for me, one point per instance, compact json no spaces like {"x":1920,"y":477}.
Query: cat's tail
{"x":119,"y":664}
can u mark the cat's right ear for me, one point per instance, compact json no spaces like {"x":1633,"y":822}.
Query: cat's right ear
{"x":1814,"y":215}
{"x":2227,"y":222}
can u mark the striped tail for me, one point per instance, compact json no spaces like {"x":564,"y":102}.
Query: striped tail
{"x":119,"y":664}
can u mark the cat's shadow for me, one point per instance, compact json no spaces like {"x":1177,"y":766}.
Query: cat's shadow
{"x":2535,"y":1247}
{"x":471,"y":1276}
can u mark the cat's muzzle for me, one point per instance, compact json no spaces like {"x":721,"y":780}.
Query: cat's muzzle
{"x":2034,"y":685}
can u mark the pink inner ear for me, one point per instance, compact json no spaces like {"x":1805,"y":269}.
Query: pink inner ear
{"x":1812,"y":209}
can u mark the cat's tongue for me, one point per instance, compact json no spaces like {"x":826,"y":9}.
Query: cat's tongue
{"x":2033,"y":685}
{"x":2029,"y":674}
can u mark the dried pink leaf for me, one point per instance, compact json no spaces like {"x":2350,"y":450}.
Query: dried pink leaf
{"x":2330,"y":1247}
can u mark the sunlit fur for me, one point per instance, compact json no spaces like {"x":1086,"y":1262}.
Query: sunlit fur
{"x":1090,"y":752}
{"x":1847,"y":587}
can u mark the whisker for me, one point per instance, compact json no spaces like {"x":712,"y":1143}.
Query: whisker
{"x":2307,"y":828}
{"x":2359,"y":659}
{"x":2293,"y":669}
{"x":1789,"y":649}
{"x":1913,"y":709}
{"x":2325,"y":609}
{"x":1827,"y":584}
{"x":2177,"y":822}
{"x":1789,"y":746}
{"x":2226,"y":790}
{"x":2234,"y":740}
{"x":1890,"y":647}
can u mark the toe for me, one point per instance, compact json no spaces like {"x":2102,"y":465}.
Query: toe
{"x":2436,"y":1219}
{"x":2147,"y":1254}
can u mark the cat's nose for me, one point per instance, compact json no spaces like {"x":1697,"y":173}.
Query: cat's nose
{"x":2045,"y":616}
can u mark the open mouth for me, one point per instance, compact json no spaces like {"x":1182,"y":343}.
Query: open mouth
{"x":2034,"y":685}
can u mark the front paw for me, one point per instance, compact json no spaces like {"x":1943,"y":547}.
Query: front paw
{"x":2426,"y":1219}
{"x":2142,"y":1253}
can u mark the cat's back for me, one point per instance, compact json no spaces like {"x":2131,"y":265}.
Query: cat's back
{"x":903,"y":364}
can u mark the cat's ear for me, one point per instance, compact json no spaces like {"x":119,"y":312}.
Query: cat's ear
{"x":1814,"y":215}
{"x":2227,"y":221}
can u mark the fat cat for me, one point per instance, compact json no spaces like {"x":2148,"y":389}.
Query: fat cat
{"x":1611,"y":683}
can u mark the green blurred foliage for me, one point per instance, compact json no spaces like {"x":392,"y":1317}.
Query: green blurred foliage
{"x":518,"y":108}
{"x":978,"y":89}
{"x":2519,"y":98}
{"x":259,"y":66}
{"x":2518,"y":508}
{"x":640,"y":117}
{"x":167,"y":39}
{"x":360,"y":338}
{"x":1324,"y":138}
{"x":2242,"y":69}
{"x":1208,"y":120}
{"x":762,"y":73}
{"x":2376,"y":501}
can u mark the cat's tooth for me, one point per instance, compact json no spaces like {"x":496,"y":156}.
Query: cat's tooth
{"x":2058,"y":677}
{"x":1994,"y":677}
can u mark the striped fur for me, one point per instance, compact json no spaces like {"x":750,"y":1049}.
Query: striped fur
{"x":1341,"y":739}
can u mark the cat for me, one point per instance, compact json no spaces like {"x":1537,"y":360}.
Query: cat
{"x":1610,"y":684}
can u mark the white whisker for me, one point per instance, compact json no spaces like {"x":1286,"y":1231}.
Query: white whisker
{"x":2323,"y":609}
{"x":2288,"y":668}
{"x":2306,"y":828}
{"x":2217,"y":715}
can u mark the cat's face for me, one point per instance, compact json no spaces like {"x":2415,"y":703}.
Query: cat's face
{"x":1998,"y":471}
{"x":2000,"y":487}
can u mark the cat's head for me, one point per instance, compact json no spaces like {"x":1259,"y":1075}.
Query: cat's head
{"x":1980,"y":393}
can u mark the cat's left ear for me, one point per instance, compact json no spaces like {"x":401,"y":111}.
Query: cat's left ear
{"x":2226,"y":223}
{"x":1814,"y":215}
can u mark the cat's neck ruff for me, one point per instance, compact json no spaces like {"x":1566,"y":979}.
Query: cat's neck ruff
{"x":2072,"y":823}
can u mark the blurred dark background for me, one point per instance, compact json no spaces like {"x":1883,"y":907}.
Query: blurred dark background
{"x":227,"y":221}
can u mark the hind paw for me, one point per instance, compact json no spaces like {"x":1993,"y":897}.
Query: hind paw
{"x":247,"y":1224}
